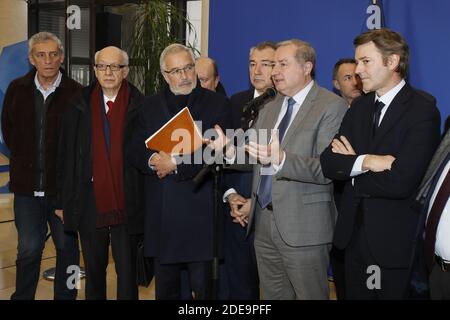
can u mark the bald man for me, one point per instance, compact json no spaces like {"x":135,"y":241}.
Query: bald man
{"x":208,"y":75}
{"x":100,"y":192}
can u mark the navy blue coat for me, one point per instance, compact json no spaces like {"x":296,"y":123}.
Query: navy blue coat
{"x":178,"y":218}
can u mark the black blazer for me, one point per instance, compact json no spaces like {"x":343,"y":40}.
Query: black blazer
{"x":409,"y":132}
{"x":178,"y":216}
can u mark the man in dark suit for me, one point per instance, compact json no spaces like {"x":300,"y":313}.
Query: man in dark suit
{"x":179,"y":217}
{"x":240,"y":259}
{"x":434,"y":193}
{"x":31,"y":123}
{"x":382,"y":150}
{"x":101,"y":194}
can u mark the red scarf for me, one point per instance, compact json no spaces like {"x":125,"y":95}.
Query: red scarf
{"x":108,"y":171}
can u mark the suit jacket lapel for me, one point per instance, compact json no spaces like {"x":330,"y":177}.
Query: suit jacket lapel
{"x":440,"y":155}
{"x":301,"y":114}
{"x":395,"y":111}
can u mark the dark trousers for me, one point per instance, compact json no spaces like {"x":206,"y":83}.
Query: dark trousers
{"x":337,"y":259}
{"x":168,"y":279}
{"x":439,"y":283}
{"x":32,"y":215}
{"x":358,"y":259}
{"x":95,"y":245}
{"x":241,"y":271}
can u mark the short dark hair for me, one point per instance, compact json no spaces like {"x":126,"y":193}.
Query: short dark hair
{"x":263,"y":45}
{"x":388,"y":42}
{"x":341,"y":62}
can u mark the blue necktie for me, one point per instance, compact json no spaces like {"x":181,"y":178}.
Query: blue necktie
{"x":265,"y":184}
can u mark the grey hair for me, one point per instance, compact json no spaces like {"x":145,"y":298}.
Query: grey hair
{"x":263,"y":45}
{"x":173,"y":48}
{"x":304,"y":53}
{"x":42,"y":37}
{"x":123,"y":52}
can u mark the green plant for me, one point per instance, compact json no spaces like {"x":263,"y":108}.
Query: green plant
{"x":158,"y":23}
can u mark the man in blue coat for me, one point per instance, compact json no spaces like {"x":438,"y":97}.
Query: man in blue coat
{"x":179,"y":217}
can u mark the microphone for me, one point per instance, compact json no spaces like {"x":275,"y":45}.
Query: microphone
{"x":259,"y":101}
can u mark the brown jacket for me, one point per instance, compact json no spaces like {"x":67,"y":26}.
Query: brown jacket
{"x":18,"y":128}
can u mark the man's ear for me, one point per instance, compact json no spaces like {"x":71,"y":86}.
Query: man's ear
{"x":31,"y":59}
{"x":216,"y":81}
{"x":393,"y":61}
{"x":308,"y":66}
{"x":336,"y":85}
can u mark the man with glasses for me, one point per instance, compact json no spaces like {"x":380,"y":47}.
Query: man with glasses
{"x":31,"y":122}
{"x":101,"y":194}
{"x":179,"y":217}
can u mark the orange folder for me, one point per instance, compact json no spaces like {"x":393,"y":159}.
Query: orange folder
{"x":180,"y":135}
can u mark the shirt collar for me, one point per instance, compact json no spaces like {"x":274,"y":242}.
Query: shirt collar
{"x":300,"y":96}
{"x":52,"y":87}
{"x":390,"y":95}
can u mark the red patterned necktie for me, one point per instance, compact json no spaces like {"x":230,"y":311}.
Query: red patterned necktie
{"x":110,"y":105}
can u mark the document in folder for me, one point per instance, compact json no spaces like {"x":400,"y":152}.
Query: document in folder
{"x":180,"y":135}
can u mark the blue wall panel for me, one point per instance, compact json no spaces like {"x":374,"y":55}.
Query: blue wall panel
{"x":330,"y":26}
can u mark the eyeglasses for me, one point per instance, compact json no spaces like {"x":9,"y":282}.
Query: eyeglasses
{"x":179,"y":71}
{"x":112,"y":67}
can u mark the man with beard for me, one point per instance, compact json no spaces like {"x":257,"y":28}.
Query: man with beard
{"x":179,"y":218}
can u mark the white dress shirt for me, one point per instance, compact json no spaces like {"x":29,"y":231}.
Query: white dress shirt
{"x":106,"y":99}
{"x":442,"y":247}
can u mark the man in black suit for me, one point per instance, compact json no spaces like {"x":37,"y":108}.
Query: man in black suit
{"x":384,"y":145}
{"x":178,"y":217}
{"x":434,"y":195}
{"x":240,"y":259}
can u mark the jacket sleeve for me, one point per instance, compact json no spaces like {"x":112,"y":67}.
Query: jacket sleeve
{"x":410,"y":164}
{"x":6,"y":114}
{"x":337,"y":166}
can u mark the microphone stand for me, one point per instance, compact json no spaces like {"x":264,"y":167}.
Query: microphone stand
{"x":216,"y":169}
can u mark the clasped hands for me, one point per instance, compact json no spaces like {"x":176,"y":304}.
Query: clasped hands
{"x":162,"y":163}
{"x":240,"y":208}
{"x":371,"y":162}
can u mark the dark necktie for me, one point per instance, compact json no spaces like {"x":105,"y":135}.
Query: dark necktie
{"x":376,"y":116}
{"x":110,"y":105}
{"x":265,"y":184}
{"x":433,"y":218}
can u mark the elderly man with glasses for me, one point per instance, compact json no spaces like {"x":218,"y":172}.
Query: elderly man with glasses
{"x":179,"y":218}
{"x":100,"y":193}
